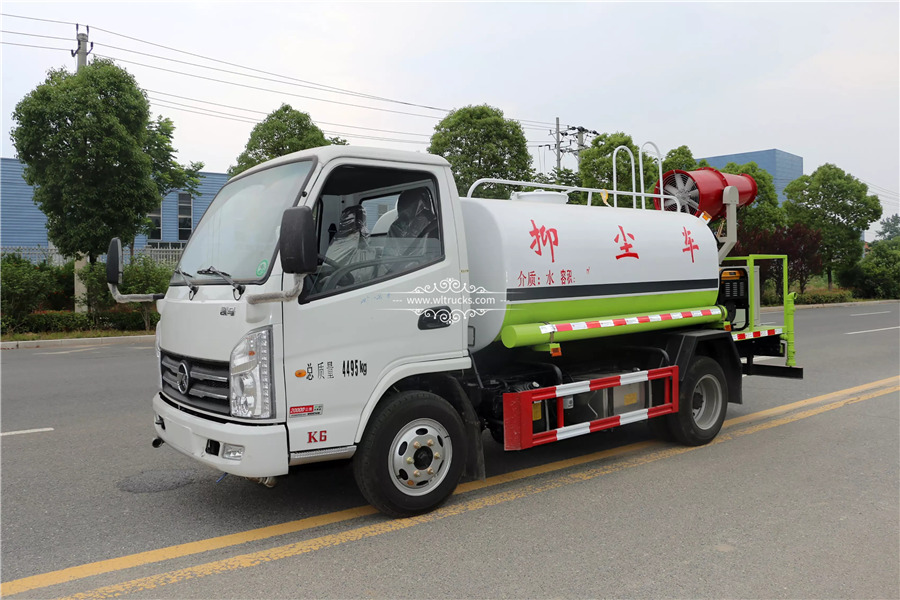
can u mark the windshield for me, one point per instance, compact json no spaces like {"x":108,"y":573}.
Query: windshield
{"x":239,"y":232}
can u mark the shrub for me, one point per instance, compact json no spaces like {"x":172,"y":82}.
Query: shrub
{"x":41,"y":322}
{"x":143,"y":275}
{"x":23,"y":286}
{"x":879,"y":271}
{"x":825,"y":297}
{"x":62,"y":292}
{"x":96,"y":297}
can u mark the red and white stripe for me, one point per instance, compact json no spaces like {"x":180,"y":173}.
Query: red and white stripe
{"x":688,"y":314}
{"x":517,"y":408}
{"x":756,"y":334}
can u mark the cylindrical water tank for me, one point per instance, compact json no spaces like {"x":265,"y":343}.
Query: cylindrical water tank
{"x":533,"y":262}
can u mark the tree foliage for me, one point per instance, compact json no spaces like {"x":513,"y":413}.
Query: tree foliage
{"x":890,"y":228}
{"x":563,"y":176}
{"x":479,"y":142}
{"x":596,"y":166}
{"x":23,"y":286}
{"x":283,"y":131}
{"x":97,"y":164}
{"x":837,"y":204}
{"x":878,"y":274}
{"x":679,"y":158}
{"x":797,"y":241}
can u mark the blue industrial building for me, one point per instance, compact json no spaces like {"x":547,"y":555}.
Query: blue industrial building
{"x":784,"y":167}
{"x":22,"y":224}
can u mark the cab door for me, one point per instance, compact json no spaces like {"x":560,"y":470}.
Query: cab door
{"x":360,"y":315}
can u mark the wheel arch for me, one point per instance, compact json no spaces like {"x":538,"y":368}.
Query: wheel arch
{"x":435,"y":377}
{"x":717,"y":345}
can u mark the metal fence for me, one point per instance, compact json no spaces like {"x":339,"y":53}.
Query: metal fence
{"x":39,"y":254}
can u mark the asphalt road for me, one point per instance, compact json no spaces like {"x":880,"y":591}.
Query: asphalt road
{"x":795,"y":504}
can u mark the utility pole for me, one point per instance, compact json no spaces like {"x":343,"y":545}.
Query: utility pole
{"x":558,"y":151}
{"x":81,"y":55}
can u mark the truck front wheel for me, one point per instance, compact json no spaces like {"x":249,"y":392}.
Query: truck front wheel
{"x":702,"y":403}
{"x":412,"y":454}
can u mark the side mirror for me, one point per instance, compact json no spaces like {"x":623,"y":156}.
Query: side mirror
{"x":114,"y":262}
{"x":299,"y":253}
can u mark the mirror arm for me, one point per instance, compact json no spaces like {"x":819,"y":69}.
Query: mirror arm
{"x":122,"y":299}
{"x":285,"y":296}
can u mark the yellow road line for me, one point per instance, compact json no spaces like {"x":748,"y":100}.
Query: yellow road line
{"x":151,"y":556}
{"x":800,"y":404}
{"x":328,"y":541}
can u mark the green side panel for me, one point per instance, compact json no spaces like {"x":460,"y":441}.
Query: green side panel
{"x":603,"y":308}
{"x":529,"y":334}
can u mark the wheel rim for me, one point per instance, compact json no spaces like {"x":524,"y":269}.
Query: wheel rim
{"x":706,"y":402}
{"x":420,"y":457}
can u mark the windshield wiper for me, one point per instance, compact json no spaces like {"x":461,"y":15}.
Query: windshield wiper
{"x":187,"y":280}
{"x":211,"y":270}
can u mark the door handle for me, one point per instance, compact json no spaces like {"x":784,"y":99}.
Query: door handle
{"x":435,"y":317}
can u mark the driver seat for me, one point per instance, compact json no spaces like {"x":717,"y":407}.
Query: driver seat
{"x":416,"y":219}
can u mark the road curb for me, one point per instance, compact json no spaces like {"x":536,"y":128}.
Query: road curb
{"x":805,"y":306}
{"x":103,"y":341}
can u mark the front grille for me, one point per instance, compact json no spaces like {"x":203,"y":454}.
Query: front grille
{"x":207,"y":382}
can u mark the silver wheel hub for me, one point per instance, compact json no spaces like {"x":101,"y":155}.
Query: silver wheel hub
{"x":420,"y":456}
{"x":706,"y":402}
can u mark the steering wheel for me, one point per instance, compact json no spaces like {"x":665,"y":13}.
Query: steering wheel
{"x":330,"y":262}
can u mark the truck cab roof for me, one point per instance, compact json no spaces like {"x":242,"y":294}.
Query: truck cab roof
{"x":325,"y":154}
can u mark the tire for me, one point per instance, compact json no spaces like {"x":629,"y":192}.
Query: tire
{"x":702,"y":403}
{"x":395,"y":475}
{"x":659,"y":428}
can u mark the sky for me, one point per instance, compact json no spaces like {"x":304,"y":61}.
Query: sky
{"x":819,"y":80}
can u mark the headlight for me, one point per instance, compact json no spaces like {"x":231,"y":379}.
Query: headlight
{"x":251,"y":376}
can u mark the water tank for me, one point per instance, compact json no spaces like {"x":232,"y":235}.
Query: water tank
{"x":534,"y":262}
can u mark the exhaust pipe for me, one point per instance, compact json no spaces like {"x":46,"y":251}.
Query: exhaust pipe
{"x":157,"y":442}
{"x":269,"y":482}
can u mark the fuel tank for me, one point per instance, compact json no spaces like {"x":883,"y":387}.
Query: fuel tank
{"x":538,"y":261}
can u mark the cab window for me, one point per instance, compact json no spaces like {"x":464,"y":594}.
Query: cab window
{"x":373,"y":224}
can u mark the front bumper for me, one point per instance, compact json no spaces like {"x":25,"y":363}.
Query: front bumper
{"x":265,"y":446}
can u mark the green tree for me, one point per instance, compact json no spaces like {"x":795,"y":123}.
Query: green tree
{"x":801,"y":244}
{"x":839,"y":206}
{"x":890,"y":228}
{"x":596,"y":166}
{"x":283,"y":131}
{"x":679,"y":158}
{"x":96,"y":162}
{"x":479,"y":142}
{"x":563,"y":176}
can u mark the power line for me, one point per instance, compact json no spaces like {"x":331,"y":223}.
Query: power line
{"x":33,"y":46}
{"x":313,"y":86}
{"x":49,"y":37}
{"x":178,"y":104}
{"x":240,"y":119}
{"x":321,"y":86}
{"x":329,"y":87}
{"x":37,"y":19}
{"x":253,"y":87}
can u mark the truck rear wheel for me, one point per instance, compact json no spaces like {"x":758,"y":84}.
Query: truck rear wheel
{"x":702,"y":403}
{"x":412,"y":454}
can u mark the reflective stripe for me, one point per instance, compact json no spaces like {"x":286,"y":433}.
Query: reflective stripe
{"x":633,"y":417}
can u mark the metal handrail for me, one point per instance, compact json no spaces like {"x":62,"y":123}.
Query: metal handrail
{"x":568,"y":189}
